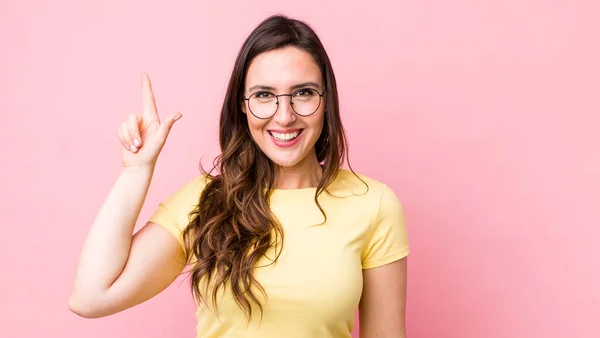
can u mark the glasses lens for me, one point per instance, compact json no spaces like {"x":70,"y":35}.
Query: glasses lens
{"x":306,"y":101}
{"x":263,"y":104}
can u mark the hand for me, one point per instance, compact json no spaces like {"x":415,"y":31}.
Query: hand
{"x":143,"y":137}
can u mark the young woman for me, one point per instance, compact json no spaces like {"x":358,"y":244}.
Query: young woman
{"x":282,"y":241}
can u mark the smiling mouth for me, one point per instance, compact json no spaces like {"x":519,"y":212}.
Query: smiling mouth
{"x":285,"y":137}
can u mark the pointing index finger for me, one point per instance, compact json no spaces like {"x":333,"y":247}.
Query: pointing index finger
{"x":149,"y":105}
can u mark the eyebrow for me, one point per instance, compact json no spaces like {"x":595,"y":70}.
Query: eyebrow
{"x":300,"y":85}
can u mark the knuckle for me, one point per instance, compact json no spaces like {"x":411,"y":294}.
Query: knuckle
{"x":125,"y":136}
{"x":133,"y":131}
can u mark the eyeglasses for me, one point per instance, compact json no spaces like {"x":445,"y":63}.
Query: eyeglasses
{"x":304,"y":102}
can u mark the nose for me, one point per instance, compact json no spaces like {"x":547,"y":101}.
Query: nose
{"x":285,"y":115}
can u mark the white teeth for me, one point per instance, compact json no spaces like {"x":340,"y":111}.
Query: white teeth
{"x":285,"y":137}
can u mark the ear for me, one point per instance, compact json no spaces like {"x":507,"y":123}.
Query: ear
{"x":243,"y":106}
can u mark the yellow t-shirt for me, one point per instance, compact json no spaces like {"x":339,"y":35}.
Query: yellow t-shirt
{"x":314,"y":288}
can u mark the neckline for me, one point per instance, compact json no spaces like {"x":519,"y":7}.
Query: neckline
{"x":311,"y":189}
{"x":297,"y":189}
{"x":314,"y":189}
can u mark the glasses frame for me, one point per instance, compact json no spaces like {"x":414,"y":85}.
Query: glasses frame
{"x":291,"y":102}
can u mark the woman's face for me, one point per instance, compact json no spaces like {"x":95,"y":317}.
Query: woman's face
{"x":287,"y":138}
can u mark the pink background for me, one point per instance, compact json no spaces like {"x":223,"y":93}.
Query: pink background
{"x":483,"y":116}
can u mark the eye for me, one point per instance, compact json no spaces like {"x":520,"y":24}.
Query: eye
{"x":263,"y":95}
{"x":305,"y":92}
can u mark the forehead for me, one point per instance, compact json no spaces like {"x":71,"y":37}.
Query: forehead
{"x":283,"y":68}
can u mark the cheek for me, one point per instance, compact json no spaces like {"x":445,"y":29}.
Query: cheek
{"x":256,"y":127}
{"x":319,"y":122}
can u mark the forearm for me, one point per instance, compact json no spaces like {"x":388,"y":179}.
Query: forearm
{"x":106,"y":248}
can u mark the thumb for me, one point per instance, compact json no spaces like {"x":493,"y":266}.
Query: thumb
{"x":168,"y":123}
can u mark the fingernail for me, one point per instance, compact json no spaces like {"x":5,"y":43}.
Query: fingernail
{"x":133,"y":148}
{"x":177,"y":117}
{"x":136,"y":142}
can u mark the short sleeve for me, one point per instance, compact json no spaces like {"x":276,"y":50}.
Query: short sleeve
{"x":173,"y":213}
{"x":389,"y":236}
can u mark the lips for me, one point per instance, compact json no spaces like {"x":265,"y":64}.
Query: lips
{"x":285,"y":138}
{"x":285,"y":135}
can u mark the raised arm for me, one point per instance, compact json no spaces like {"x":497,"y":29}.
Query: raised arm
{"x":117,"y":269}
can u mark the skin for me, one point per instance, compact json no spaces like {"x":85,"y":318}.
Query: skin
{"x":118,"y":269}
{"x":382,"y":305}
{"x":282,"y":69}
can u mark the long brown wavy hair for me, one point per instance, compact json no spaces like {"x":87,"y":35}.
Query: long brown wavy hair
{"x":233,"y":227}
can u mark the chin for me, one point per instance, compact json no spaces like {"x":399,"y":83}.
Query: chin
{"x":285,"y":160}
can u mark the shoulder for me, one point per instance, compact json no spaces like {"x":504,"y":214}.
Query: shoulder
{"x":189,"y":193}
{"x":351,"y":183}
{"x":173,"y":212}
{"x":386,"y":236}
{"x":368,"y":193}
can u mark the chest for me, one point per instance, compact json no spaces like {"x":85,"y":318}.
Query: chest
{"x":317,"y":276}
{"x":319,"y":266}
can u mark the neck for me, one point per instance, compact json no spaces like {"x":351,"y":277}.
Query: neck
{"x":306,"y":174}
